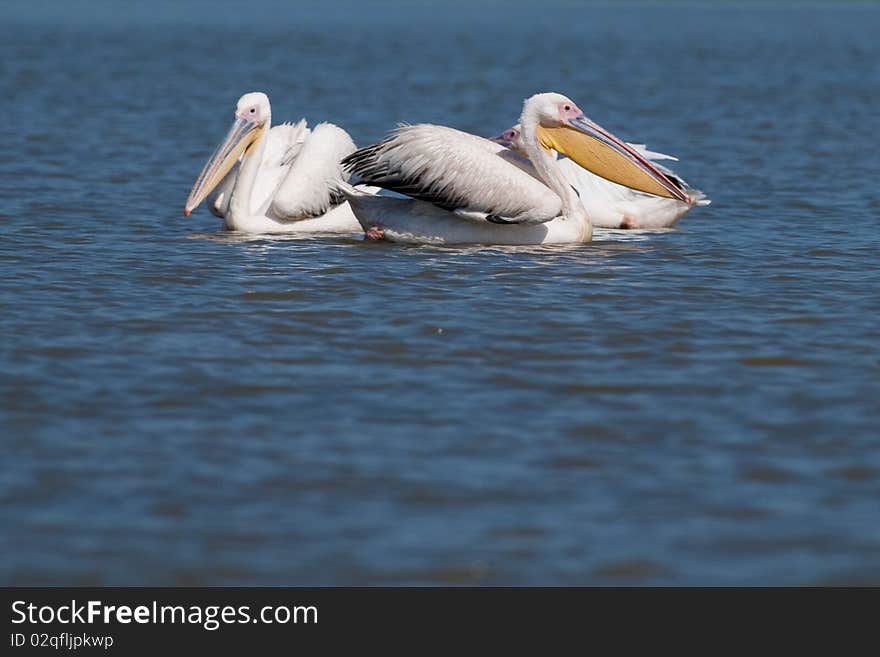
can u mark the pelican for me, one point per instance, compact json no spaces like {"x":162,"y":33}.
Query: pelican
{"x":614,"y":206}
{"x":470,"y":190}
{"x":277,"y":180}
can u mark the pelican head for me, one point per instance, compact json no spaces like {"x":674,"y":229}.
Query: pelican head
{"x":252,"y":114}
{"x":560,"y":125}
{"x":510,"y":138}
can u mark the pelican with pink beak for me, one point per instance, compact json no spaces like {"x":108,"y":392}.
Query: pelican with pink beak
{"x":277,"y":180}
{"x":465,"y":189}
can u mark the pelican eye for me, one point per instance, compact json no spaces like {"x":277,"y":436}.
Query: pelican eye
{"x":567,"y":108}
{"x":253,"y":110}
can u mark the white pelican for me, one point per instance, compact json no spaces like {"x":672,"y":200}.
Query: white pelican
{"x":287,"y":178}
{"x":470,"y":190}
{"x":614,"y":206}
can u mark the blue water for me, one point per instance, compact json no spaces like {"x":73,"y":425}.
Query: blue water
{"x":181,"y":405}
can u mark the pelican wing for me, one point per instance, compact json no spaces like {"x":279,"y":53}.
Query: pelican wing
{"x":285,"y":142}
{"x":311,"y":186}
{"x":283,"y":145}
{"x":456,"y":171}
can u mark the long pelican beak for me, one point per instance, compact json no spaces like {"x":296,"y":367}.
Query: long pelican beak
{"x":600,"y":152}
{"x":242,"y":134}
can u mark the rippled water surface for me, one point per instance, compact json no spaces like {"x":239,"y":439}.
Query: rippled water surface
{"x":181,"y":405}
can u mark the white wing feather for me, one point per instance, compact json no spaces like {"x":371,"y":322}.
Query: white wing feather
{"x":310,"y":187}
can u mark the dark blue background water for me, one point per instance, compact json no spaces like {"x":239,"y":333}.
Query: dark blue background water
{"x":184,"y":406}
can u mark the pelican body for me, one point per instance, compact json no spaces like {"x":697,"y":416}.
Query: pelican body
{"x":276,"y":180}
{"x":611,"y":205}
{"x":470,"y":190}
